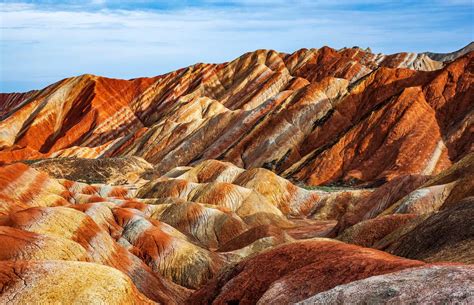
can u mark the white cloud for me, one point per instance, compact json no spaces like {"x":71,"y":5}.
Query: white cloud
{"x":41,"y":46}
{"x":8,"y":7}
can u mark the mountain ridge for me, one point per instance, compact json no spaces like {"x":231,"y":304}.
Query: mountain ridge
{"x":242,"y":96}
{"x":459,"y":52}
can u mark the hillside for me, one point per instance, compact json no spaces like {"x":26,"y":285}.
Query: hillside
{"x":321,"y":177}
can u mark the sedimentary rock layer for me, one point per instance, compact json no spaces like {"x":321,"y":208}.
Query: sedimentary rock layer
{"x":322,"y":176}
{"x":293,"y":272}
{"x":216,"y":228}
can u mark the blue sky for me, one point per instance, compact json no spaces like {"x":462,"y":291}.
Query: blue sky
{"x":45,"y":41}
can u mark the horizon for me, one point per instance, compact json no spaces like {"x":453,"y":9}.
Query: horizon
{"x":46,"y":41}
{"x":157,"y":75}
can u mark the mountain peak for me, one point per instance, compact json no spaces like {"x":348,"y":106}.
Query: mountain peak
{"x":444,"y":57}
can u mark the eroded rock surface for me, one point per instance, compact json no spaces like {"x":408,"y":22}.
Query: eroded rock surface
{"x":65,"y":282}
{"x":292,"y":272}
{"x":424,"y":285}
{"x":318,"y":116}
{"x":321,"y":176}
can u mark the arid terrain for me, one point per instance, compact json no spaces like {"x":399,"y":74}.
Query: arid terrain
{"x":318,"y":177}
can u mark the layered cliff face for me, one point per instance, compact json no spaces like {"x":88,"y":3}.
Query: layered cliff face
{"x":321,"y":176}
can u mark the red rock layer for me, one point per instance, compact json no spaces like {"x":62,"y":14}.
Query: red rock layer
{"x":412,"y":206}
{"x":293,"y":272}
{"x":101,"y":248}
{"x":11,"y":101}
{"x":124,"y":229}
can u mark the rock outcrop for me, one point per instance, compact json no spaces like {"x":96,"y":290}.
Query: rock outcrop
{"x":293,"y":272}
{"x":65,"y":282}
{"x":444,"y":236}
{"x":427,"y":285}
{"x":114,"y":171}
{"x":444,"y":57}
{"x":432,"y":211}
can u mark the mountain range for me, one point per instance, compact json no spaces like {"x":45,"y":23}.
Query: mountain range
{"x":321,"y":177}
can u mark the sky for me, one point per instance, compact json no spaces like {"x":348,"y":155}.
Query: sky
{"x":44,"y":41}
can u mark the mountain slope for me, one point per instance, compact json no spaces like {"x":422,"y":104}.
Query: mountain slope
{"x":450,"y":56}
{"x":300,"y":115}
{"x":211,"y":228}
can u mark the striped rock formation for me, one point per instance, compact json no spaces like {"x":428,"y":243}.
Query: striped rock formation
{"x":436,"y":213}
{"x":154,"y":241}
{"x":318,"y":116}
{"x":42,"y":221}
{"x":444,"y":57}
{"x":65,"y":282}
{"x":247,"y":191}
{"x":189,"y":227}
{"x":292,"y":272}
{"x":444,"y":236}
{"x":322,"y":176}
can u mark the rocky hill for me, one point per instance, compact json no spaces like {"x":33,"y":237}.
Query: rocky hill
{"x":321,"y":177}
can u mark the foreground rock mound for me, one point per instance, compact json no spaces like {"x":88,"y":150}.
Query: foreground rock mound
{"x":65,"y":282}
{"x":425,"y":285}
{"x":293,"y":272}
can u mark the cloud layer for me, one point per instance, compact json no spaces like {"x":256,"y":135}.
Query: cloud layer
{"x":44,"y":41}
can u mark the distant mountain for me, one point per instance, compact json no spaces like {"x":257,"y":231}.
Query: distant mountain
{"x":444,"y":57}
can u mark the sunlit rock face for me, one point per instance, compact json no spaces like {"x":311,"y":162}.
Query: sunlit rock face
{"x":66,"y":282}
{"x":322,"y":176}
